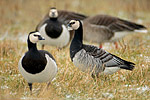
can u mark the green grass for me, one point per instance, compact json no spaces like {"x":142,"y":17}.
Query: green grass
{"x":70,"y":83}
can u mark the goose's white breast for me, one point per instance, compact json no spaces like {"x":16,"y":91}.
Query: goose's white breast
{"x":61,"y":41}
{"x":46,"y":75}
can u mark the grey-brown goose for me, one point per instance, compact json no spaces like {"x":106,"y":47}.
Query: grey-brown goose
{"x":53,"y":28}
{"x":92,"y":58}
{"x":103,"y":28}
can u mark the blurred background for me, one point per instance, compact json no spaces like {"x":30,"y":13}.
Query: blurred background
{"x":22,"y":16}
{"x":19,"y":17}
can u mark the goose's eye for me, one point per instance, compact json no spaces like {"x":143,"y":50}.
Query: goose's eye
{"x":73,"y":23}
{"x":36,"y":35}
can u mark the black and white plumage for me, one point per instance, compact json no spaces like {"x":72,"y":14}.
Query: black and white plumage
{"x":53,"y":27}
{"x":54,"y":31}
{"x":37,"y":65}
{"x":64,"y":16}
{"x":88,"y":57}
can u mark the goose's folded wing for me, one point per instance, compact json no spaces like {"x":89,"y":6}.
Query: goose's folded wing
{"x":64,"y":17}
{"x":108,"y":59}
{"x":114,"y":23}
{"x":97,"y":53}
{"x":124,"y":25}
{"x":101,"y":20}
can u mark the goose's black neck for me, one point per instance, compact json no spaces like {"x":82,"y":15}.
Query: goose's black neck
{"x":53,"y":28}
{"x":53,"y":19}
{"x":76,"y":43}
{"x":31,"y":46}
{"x":78,"y":37}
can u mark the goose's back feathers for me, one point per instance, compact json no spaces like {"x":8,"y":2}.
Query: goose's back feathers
{"x":108,"y":59}
{"x":101,"y":20}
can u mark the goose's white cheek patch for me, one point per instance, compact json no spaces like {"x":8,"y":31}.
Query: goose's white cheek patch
{"x":76,"y":25}
{"x":33,"y":39}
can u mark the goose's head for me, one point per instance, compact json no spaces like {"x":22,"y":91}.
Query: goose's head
{"x":34,"y":37}
{"x":73,"y":25}
{"x":53,"y":13}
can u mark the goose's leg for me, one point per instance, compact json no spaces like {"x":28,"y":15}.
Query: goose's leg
{"x":58,"y":49}
{"x":48,"y":84}
{"x":93,"y":76}
{"x":42,"y":46}
{"x":100,"y":45}
{"x":116,"y":45}
{"x":30,"y":87}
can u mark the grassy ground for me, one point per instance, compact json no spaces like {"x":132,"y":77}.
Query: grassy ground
{"x":70,"y":83}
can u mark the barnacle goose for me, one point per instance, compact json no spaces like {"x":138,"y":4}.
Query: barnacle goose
{"x":55,"y":32}
{"x":105,"y":28}
{"x":53,"y":27}
{"x":37,"y":65}
{"x":91,"y":58}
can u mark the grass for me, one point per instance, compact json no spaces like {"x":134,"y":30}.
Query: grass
{"x":70,"y":83}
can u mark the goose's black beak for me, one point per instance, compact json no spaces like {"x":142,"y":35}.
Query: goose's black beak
{"x":41,"y":38}
{"x":69,"y":27}
{"x":53,"y":14}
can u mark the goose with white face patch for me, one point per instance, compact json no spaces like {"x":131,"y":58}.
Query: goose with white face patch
{"x":55,"y":32}
{"x":53,"y":27}
{"x":37,"y":65}
{"x":91,"y":58}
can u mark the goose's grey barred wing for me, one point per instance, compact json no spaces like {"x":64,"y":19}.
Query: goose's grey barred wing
{"x":64,"y":17}
{"x":108,"y":59}
{"x":114,"y":23}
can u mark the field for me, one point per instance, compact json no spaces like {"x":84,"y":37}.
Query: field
{"x":19,"y":17}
